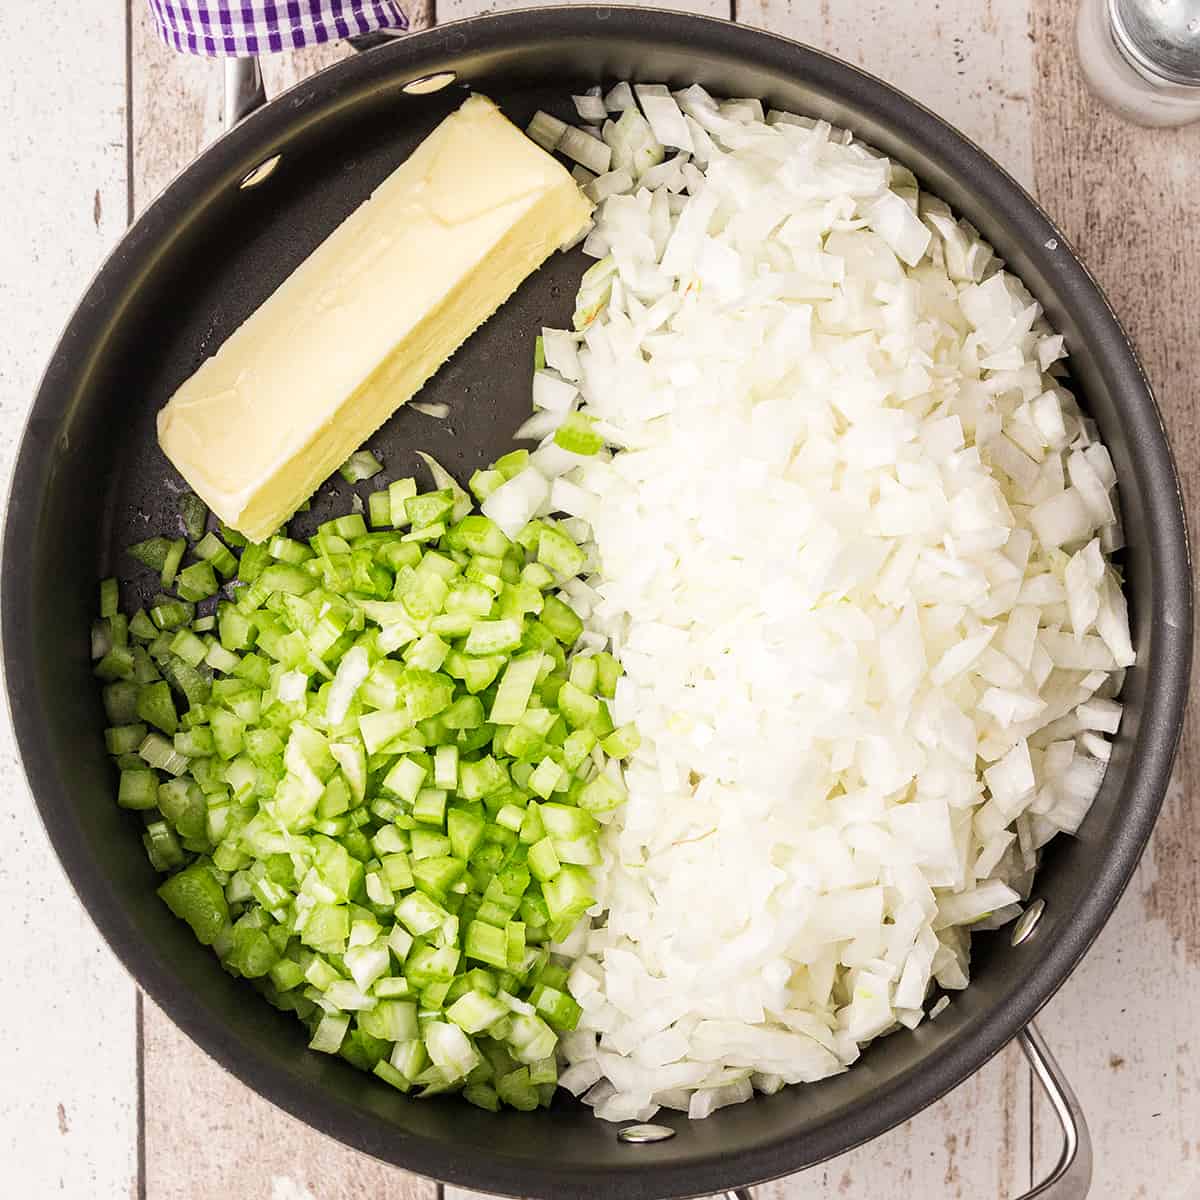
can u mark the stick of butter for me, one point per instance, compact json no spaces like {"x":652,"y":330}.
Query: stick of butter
{"x":368,"y":317}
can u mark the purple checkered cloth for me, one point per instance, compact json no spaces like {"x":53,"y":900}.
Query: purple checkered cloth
{"x":242,"y":27}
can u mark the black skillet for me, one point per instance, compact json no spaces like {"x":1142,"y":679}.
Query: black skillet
{"x":90,"y":480}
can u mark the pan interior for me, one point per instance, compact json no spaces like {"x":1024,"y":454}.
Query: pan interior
{"x":196,"y":266}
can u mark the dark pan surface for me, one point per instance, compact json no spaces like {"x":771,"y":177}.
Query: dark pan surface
{"x":90,"y":480}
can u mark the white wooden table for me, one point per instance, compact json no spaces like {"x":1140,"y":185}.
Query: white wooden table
{"x":100,"y":1096}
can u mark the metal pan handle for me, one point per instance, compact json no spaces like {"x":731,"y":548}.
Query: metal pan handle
{"x":244,"y":90}
{"x":1072,"y":1175}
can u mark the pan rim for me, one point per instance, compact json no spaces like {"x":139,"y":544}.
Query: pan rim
{"x":1169,"y":651}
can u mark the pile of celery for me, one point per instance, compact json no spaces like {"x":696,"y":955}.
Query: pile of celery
{"x":373,"y":770}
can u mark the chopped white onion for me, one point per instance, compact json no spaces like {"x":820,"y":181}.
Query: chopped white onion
{"x":850,"y":549}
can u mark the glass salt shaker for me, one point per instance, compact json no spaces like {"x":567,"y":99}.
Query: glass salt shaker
{"x":1142,"y":57}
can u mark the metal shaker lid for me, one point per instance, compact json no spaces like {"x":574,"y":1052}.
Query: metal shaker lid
{"x":1161,"y":38}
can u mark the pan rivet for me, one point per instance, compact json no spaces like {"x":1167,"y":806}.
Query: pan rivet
{"x":429,"y":83}
{"x":260,"y":174}
{"x":639,"y":1135}
{"x":1027,"y":922}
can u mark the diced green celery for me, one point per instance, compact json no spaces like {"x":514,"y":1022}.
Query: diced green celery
{"x":478,"y":534}
{"x":171,"y":614}
{"x":622,"y":742}
{"x":330,"y":1033}
{"x":182,"y":802}
{"x":546,"y":778}
{"x":379,"y":509}
{"x":428,"y":844}
{"x":197,"y":582}
{"x":428,"y":508}
{"x":120,"y":701}
{"x":232,"y":537}
{"x":138,"y":789}
{"x":464,"y":827}
{"x":577,"y":706}
{"x":109,"y":598}
{"x":326,"y":929}
{"x":512,"y":463}
{"x":480,"y":673}
{"x":419,"y":914}
{"x":486,"y":943}
{"x":124,"y":739}
{"x":400,"y":491}
{"x":172,"y":557}
{"x":576,"y":434}
{"x":405,"y":779}
{"x":580,"y":852}
{"x":427,"y":653}
{"x":195,"y":896}
{"x":429,"y":807}
{"x":557,"y":552}
{"x":221,"y":659}
{"x":151,"y":553}
{"x":228,"y":733}
{"x":511,"y":817}
{"x":194,"y":513}
{"x":484,"y":483}
{"x":189,"y":647}
{"x":475,"y":1011}
{"x":286,"y":974}
{"x":445,"y":767}
{"x":609,"y":671}
{"x":515,"y":1089}
{"x":362,"y":464}
{"x":481,"y":778}
{"x":557,"y":1007}
{"x":212,"y":550}
{"x":568,"y":895}
{"x":156,"y":707}
{"x":544,"y":1071}
{"x":532,"y":828}
{"x":516,"y":687}
{"x":482,"y":1095}
{"x":251,"y":955}
{"x":561,"y":620}
{"x":577,"y":747}
{"x":141,"y":627}
{"x":493,"y":637}
{"x":584,"y":673}
{"x":543,"y":861}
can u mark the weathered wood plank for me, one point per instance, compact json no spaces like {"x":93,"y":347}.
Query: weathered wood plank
{"x":210,"y":1138}
{"x":1124,"y":1027}
{"x":68,"y":1082}
{"x":457,"y":10}
{"x":968,"y":60}
{"x":206,"y":1135}
{"x":973,"y":1143}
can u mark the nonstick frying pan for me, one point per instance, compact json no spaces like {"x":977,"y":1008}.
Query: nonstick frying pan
{"x":90,"y":480}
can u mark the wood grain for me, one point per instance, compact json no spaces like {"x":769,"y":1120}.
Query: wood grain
{"x":457,"y":10}
{"x":971,"y":61}
{"x":1124,"y":1026}
{"x":974,"y":1143}
{"x":210,"y":1138}
{"x":68,"y":1084}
